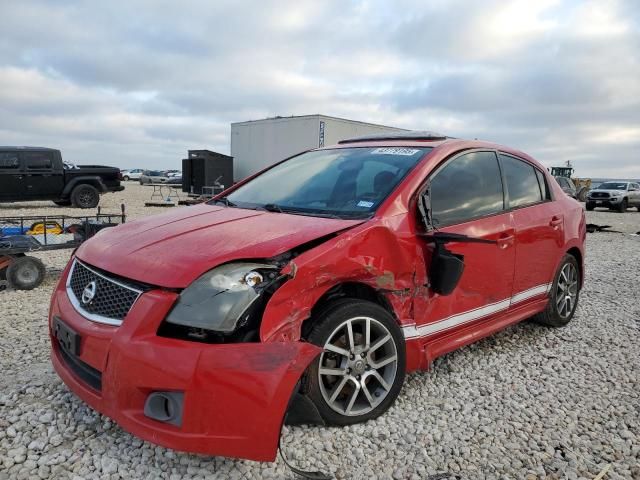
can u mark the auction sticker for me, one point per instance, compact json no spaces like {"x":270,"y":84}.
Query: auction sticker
{"x":395,"y":151}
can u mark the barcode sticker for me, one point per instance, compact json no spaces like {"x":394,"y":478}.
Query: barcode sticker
{"x":395,"y":151}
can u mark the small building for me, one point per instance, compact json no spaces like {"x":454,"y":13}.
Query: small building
{"x":257,"y":144}
{"x":204,"y":168}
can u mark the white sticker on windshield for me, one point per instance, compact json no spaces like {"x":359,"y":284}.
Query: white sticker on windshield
{"x":395,"y":151}
{"x":364,"y":203}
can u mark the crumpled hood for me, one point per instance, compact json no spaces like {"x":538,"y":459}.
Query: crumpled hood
{"x":172,"y":250}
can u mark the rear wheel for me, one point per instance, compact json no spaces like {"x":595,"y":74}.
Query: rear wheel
{"x":25,"y":273}
{"x":564,"y":295}
{"x":85,"y":196}
{"x":126,"y":178}
{"x":361,"y":370}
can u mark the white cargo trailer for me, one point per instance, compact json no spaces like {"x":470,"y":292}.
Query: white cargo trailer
{"x":259,"y":143}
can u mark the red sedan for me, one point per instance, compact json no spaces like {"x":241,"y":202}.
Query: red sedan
{"x":308,"y":291}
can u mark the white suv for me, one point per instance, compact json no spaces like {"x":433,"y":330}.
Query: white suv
{"x":133,"y":174}
{"x":615,"y":196}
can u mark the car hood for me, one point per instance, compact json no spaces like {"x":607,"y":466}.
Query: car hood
{"x":172,"y":250}
{"x":607,"y":191}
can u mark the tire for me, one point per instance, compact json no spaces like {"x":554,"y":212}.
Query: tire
{"x":624,"y":204}
{"x":336,"y":397}
{"x":590,"y":206}
{"x":85,"y":196}
{"x":126,"y":178}
{"x":558,"y":314}
{"x":62,"y":203}
{"x":25,"y":273}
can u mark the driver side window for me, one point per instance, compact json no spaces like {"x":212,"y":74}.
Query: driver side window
{"x":467,"y":187}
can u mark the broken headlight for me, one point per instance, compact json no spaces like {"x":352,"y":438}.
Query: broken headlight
{"x":220,"y":299}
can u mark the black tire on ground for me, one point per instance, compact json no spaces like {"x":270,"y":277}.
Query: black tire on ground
{"x":126,"y":178}
{"x":359,"y":368}
{"x":552,"y":316}
{"x":62,"y":203}
{"x":25,"y":273}
{"x":624,"y":204}
{"x":590,"y":206}
{"x":85,"y":196}
{"x":638,"y":208}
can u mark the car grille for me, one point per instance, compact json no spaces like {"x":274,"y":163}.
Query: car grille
{"x":599,"y":195}
{"x":111,"y":300}
{"x":84,"y":371}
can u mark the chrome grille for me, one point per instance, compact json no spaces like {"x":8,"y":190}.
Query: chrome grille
{"x":111,"y":300}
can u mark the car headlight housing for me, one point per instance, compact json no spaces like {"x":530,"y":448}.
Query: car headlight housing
{"x":221,"y":299}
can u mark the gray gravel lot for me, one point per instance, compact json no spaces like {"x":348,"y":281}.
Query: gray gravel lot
{"x":529,"y":402}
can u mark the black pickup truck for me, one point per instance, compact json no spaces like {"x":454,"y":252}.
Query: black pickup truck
{"x":36,"y":173}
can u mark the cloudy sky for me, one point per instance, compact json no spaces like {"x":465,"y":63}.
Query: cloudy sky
{"x":137,"y":83}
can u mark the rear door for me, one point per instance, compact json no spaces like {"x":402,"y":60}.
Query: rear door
{"x":11,"y":176}
{"x":466,"y":196}
{"x":42,"y":179}
{"x":539,"y":228}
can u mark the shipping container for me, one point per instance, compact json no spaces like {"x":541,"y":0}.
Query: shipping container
{"x":257,"y":144}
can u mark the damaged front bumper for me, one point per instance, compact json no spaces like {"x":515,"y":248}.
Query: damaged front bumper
{"x":232,"y":397}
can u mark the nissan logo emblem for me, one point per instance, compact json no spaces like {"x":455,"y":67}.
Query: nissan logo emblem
{"x":88,"y":293}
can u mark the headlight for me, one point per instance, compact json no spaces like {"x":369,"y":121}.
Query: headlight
{"x":219,"y":299}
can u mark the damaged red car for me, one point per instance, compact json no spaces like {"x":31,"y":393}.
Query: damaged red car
{"x":306,"y":292}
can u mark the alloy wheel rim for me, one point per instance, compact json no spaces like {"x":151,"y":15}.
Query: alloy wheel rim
{"x":358,"y":366}
{"x":567,"y":290}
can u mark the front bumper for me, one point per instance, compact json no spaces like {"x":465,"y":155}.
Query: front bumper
{"x":235,"y":395}
{"x":605,"y":202}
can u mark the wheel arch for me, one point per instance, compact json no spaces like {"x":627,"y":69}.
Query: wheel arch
{"x":577,"y":254}
{"x":344,"y":290}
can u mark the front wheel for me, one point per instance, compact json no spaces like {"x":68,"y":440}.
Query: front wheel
{"x":591,"y":206}
{"x":623,"y":206}
{"x":564,"y":295}
{"x":126,"y":178}
{"x":361,"y":370}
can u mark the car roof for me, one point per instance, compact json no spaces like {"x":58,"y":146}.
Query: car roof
{"x":13,"y":149}
{"x":417,"y":141}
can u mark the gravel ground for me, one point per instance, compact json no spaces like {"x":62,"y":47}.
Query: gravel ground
{"x":529,"y":402}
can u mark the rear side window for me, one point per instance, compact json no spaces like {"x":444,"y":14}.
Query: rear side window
{"x":542,"y":181}
{"x":9,"y":160}
{"x":37,"y":160}
{"x":522,"y":182}
{"x":467,"y":187}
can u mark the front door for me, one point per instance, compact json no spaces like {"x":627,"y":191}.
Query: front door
{"x":467,"y":197}
{"x":42,"y":181}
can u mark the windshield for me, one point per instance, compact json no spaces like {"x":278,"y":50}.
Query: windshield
{"x":613,"y":186}
{"x":344,"y":182}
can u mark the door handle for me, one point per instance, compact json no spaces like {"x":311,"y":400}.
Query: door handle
{"x":506,"y":239}
{"x":555,"y":222}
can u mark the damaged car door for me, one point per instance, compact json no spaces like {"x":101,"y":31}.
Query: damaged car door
{"x":465,"y":216}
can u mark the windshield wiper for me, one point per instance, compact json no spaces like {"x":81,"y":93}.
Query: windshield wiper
{"x":272,"y":207}
{"x":225,"y":201}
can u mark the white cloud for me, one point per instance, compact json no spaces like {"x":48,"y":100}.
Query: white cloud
{"x":138,"y":83}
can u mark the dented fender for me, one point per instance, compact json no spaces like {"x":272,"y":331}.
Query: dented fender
{"x":375,"y":254}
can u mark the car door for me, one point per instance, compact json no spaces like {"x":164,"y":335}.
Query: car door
{"x":42,"y":179}
{"x":634,"y":195}
{"x":11,"y":176}
{"x":539,"y":228}
{"x":466,"y":197}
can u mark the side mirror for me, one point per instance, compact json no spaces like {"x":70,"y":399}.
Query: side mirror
{"x":445,"y":270}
